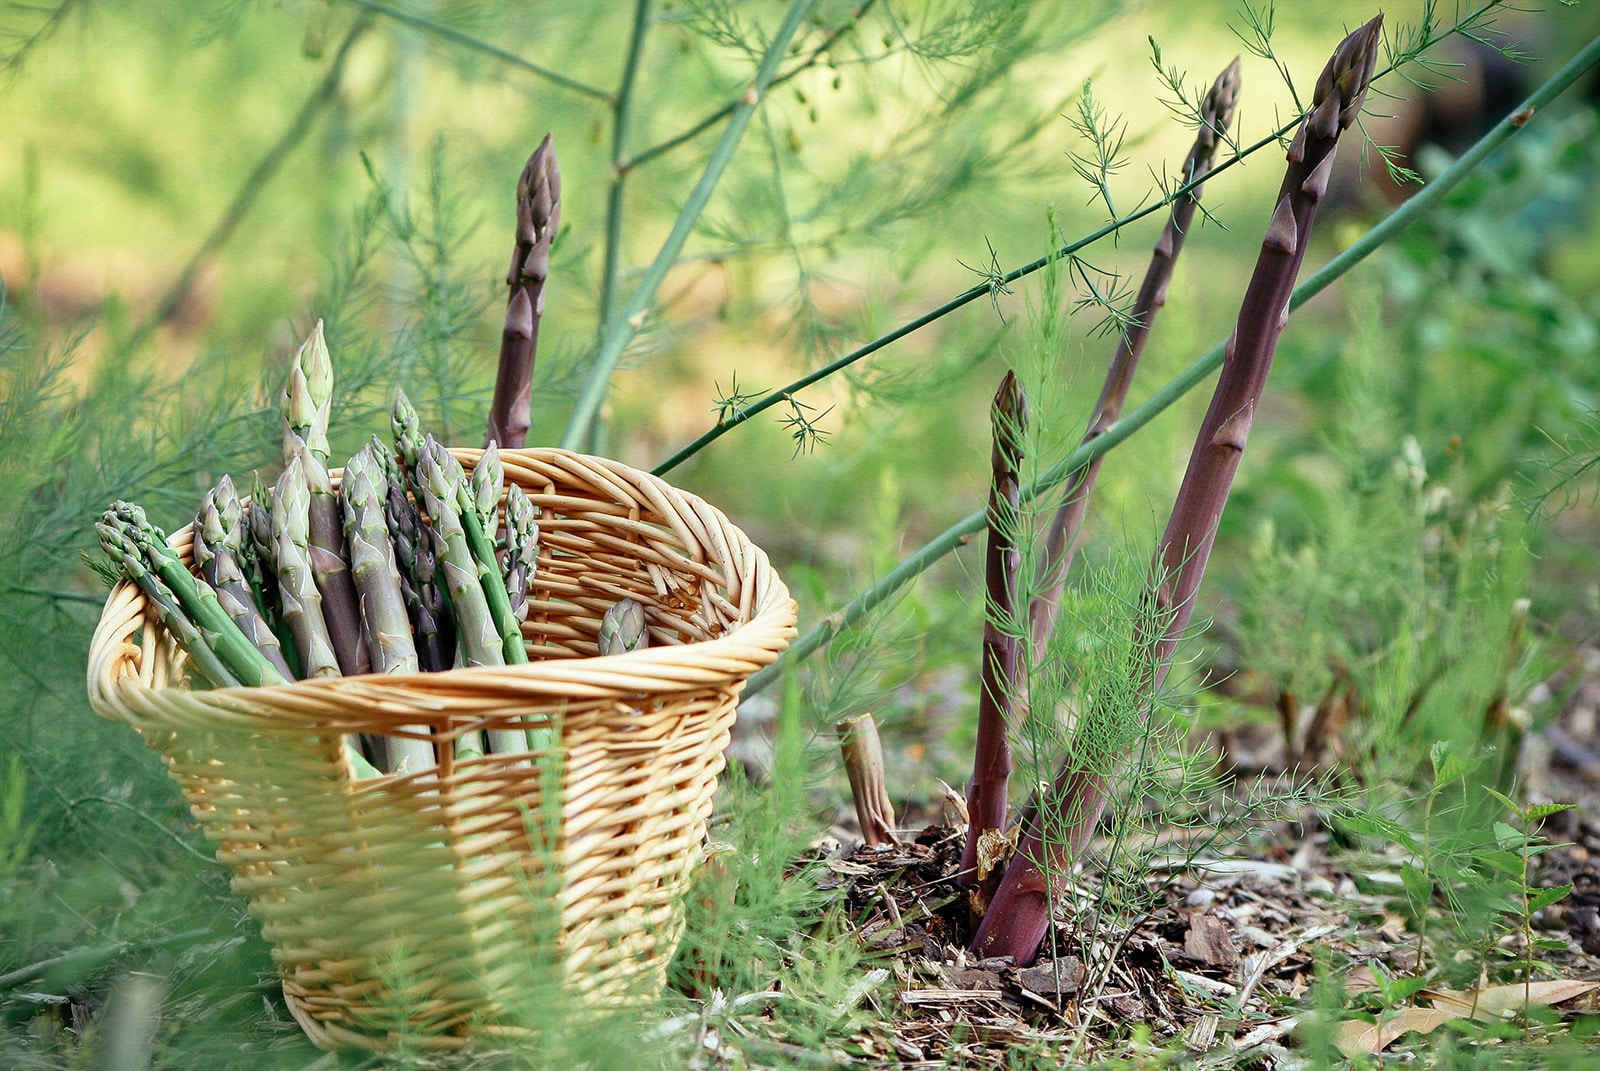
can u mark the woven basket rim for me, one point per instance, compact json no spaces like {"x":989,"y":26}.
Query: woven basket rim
{"x":655,"y":671}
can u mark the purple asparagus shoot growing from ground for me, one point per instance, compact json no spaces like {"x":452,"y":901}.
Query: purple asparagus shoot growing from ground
{"x":863,"y":764}
{"x":1216,"y":114}
{"x":1066,"y":818}
{"x":1000,"y":676}
{"x":538,"y":218}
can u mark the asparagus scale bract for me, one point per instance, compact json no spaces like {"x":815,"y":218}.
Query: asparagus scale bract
{"x":1020,"y":911}
{"x":622,"y":629}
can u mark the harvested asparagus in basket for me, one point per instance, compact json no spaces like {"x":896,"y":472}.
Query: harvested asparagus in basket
{"x":218,"y":547}
{"x":127,"y":534}
{"x":385,"y":623}
{"x":622,"y":629}
{"x":522,"y":550}
{"x":306,"y":403}
{"x":302,"y":602}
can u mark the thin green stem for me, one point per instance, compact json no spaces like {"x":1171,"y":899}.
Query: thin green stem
{"x":466,"y":40}
{"x":1398,"y":220}
{"x":694,"y":130}
{"x":620,"y":331}
{"x":988,"y":287}
{"x":621,"y":127}
{"x":253,"y":184}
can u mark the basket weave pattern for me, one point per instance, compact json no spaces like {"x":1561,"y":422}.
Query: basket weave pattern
{"x":422,"y":904}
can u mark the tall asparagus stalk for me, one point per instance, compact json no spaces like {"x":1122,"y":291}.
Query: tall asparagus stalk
{"x":1001,"y":673}
{"x":1216,"y":114}
{"x":218,"y":548}
{"x":538,"y":217}
{"x":1020,"y":911}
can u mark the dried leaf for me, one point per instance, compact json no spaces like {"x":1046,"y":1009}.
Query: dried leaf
{"x":1359,"y":1036}
{"x":1498,"y":1000}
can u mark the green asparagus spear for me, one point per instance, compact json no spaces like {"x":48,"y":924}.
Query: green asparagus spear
{"x":478,"y":502}
{"x":264,"y":571}
{"x":407,"y":427}
{"x":124,"y":553}
{"x":308,"y":396}
{"x":325,"y":545}
{"x":196,"y":597}
{"x":447,"y":499}
{"x":297,"y":588}
{"x":441,"y":481}
{"x":377,"y":577}
{"x":522,"y":549}
{"x":622,"y":629}
{"x":218,"y":543}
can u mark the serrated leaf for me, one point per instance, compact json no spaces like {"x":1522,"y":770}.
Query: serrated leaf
{"x":1550,"y":944}
{"x":1507,"y":834}
{"x":1503,"y":861}
{"x":1543,"y":898}
{"x":1545,"y":810}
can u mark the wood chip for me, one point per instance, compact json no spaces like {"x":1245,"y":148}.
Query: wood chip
{"x":1210,"y":941}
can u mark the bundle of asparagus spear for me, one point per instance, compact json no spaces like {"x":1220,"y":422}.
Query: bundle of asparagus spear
{"x":408,"y":566}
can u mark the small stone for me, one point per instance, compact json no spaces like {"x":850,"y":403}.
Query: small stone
{"x":1319,"y":886}
{"x":1052,"y":978}
{"x":1201,"y":897}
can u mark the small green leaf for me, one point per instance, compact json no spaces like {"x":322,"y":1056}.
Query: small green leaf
{"x":1418,"y":886}
{"x":1543,"y":898}
{"x":1545,"y":810}
{"x":1510,"y":804}
{"x":1507,"y":834}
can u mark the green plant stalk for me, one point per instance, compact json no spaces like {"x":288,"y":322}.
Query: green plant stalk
{"x":466,"y":40}
{"x":297,"y":587}
{"x":538,"y":219}
{"x":855,"y":611}
{"x":124,"y":553}
{"x":621,"y":129}
{"x":477,"y":502}
{"x":218,"y":545}
{"x":1061,"y":539}
{"x":782,"y":395}
{"x":522,"y":549}
{"x":198,"y":601}
{"x":620,"y":331}
{"x":264,"y":575}
{"x":694,"y":130}
{"x":1001,"y":679}
{"x":406,"y":425}
{"x":1064,"y":822}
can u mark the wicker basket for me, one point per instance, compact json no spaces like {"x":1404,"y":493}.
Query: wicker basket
{"x":421,"y":907}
